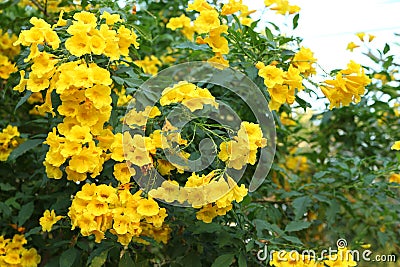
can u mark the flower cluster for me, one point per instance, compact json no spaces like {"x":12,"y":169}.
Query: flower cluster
{"x":6,"y":67}
{"x":243,"y":148}
{"x":48,"y":220}
{"x":81,"y":143}
{"x":41,"y":33}
{"x":348,"y":86}
{"x":149,"y":64}
{"x":212,"y":194}
{"x":190,"y":95}
{"x":13,"y":253}
{"x":51,"y":5}
{"x":8,"y":141}
{"x":209,"y":27}
{"x":280,"y":84}
{"x":98,"y":208}
{"x":361,"y":35}
{"x":343,"y":258}
{"x":282,"y":6}
{"x":6,"y":45}
{"x":87,"y":37}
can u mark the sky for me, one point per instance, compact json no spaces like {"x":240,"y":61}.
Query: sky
{"x":327,"y":26}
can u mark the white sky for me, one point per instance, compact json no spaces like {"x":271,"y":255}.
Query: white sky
{"x":327,"y":26}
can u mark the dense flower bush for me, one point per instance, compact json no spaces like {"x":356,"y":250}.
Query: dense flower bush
{"x":98,"y":170}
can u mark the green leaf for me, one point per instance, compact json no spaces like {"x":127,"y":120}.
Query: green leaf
{"x":6,"y":187}
{"x":269,"y":34}
{"x":263,"y":225}
{"x":201,"y":227}
{"x":118,"y":80}
{"x":296,"y":21}
{"x":331,"y":212}
{"x":190,"y":45}
{"x":242,"y":262}
{"x":33,"y":231}
{"x":223,"y":260}
{"x":23,"y":100}
{"x":25,"y":213}
{"x":191,"y":259}
{"x":143,"y":32}
{"x":126,"y":260}
{"x":24,"y":147}
{"x":302,"y":103}
{"x":292,"y":239}
{"x":99,"y":260}
{"x":68,"y":257}
{"x":300,"y":206}
{"x":386,"y":49}
{"x":297,"y":226}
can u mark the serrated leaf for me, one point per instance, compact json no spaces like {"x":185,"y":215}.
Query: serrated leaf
{"x":24,"y":147}
{"x":223,"y":260}
{"x":300,"y":206}
{"x":68,"y":257}
{"x":297,"y":226}
{"x":25,"y":213}
{"x":126,"y":260}
{"x":23,"y":100}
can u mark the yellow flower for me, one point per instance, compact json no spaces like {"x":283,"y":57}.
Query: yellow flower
{"x":396,"y":146}
{"x":111,"y":19}
{"x":199,"y":6}
{"x":282,"y":6}
{"x":48,"y":220}
{"x":78,"y":44}
{"x":272,"y":75}
{"x":360,"y":35}
{"x":220,"y":61}
{"x":348,"y":86}
{"x":304,"y":60}
{"x":147,"y":207}
{"x":178,"y":22}
{"x":52,"y":171}
{"x":342,"y":258}
{"x":217,"y":42}
{"x":30,"y":258}
{"x":86,"y":18}
{"x":80,"y":134}
{"x":149,"y":64}
{"x":371,"y":37}
{"x":12,"y":258}
{"x":99,"y":95}
{"x":207,"y":213}
{"x":231,"y":7}
{"x":351,"y":46}
{"x":123,"y":173}
{"x":207,"y":20}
